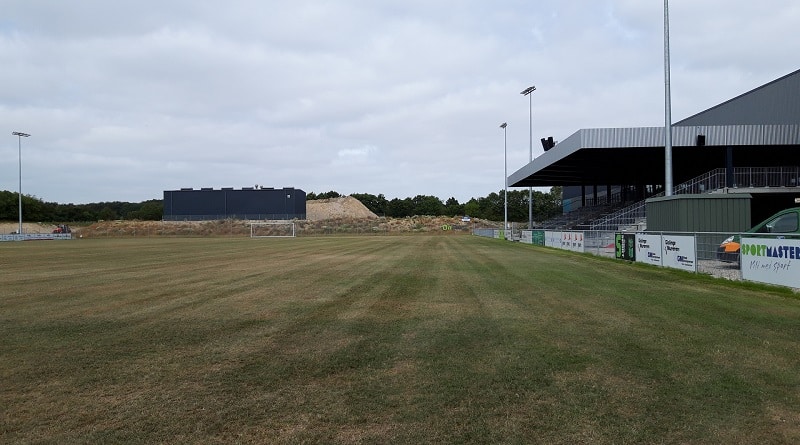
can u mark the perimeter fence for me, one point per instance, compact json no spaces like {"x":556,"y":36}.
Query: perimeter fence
{"x":766,"y":258}
{"x":34,"y":236}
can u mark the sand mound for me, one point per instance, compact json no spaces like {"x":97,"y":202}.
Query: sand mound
{"x":8,"y":227}
{"x":344,"y":207}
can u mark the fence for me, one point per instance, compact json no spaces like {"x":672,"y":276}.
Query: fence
{"x":715,"y":180}
{"x":766,"y":258}
{"x":488,"y":233}
{"x":35,"y":236}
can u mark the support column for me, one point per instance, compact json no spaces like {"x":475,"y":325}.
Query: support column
{"x":583,"y":195}
{"x":730,"y":178}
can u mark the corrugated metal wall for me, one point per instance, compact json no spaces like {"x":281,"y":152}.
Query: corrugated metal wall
{"x":772,"y":103}
{"x":700,"y":213}
{"x":733,"y":135}
{"x":256,"y":204}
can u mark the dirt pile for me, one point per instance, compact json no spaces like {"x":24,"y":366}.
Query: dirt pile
{"x":9,"y":227}
{"x":439,"y":225}
{"x":333,"y":208}
{"x":344,"y":215}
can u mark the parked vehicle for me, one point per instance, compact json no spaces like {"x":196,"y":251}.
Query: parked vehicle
{"x":62,"y":228}
{"x":784,"y":222}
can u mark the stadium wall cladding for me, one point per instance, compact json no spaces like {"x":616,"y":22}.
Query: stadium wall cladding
{"x":249,"y":203}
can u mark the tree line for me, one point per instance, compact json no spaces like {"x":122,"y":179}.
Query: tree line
{"x":34,"y":209}
{"x":546,"y":205}
{"x":491,"y":207}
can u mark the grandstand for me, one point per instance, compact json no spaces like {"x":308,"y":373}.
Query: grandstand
{"x":748,"y":144}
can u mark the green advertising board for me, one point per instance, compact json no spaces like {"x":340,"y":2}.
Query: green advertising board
{"x":537,"y":237}
{"x":625,"y":246}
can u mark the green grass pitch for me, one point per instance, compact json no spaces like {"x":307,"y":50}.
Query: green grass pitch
{"x":394,"y":339}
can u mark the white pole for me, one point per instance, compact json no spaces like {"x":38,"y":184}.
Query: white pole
{"x":19,"y":196}
{"x":667,"y":109}
{"x":529,"y":92}
{"x":530,"y":153}
{"x":505,"y":181}
{"x":19,"y":136}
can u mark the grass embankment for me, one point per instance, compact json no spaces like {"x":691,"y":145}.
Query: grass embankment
{"x":383,"y":340}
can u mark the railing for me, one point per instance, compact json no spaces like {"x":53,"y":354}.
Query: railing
{"x":766,"y":177}
{"x":705,"y":183}
{"x":710,"y":182}
{"x":627,"y":216}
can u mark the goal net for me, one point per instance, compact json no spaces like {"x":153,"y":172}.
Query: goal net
{"x":272,"y":229}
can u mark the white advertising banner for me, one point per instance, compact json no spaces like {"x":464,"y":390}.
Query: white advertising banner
{"x":648,"y":248}
{"x":36,"y":236}
{"x":773,"y":261}
{"x":525,"y":237}
{"x":572,"y":241}
{"x":552,"y":239}
{"x":678,"y":252}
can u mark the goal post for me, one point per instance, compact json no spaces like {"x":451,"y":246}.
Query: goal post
{"x":272,"y":229}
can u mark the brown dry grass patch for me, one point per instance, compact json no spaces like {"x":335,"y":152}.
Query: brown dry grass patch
{"x":423,"y":339}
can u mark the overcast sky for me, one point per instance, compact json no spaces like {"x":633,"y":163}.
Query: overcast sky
{"x":125,"y":99}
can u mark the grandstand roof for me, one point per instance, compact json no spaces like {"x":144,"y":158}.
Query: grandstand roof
{"x":762,"y":127}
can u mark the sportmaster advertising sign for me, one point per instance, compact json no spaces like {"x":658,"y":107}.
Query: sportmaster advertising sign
{"x":773,"y":261}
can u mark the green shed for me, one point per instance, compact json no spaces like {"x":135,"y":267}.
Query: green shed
{"x":713,"y":212}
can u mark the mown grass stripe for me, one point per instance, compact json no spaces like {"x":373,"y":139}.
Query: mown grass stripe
{"x":423,"y":339}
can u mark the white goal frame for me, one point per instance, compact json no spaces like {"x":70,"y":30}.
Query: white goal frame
{"x":288,"y":224}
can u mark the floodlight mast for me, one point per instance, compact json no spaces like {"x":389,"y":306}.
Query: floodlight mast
{"x":527,"y":92}
{"x":667,"y":108}
{"x":505,"y":181}
{"x":19,"y":136}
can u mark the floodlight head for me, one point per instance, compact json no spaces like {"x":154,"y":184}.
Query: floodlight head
{"x":503,"y":125}
{"x":528,"y":90}
{"x":17,"y":133}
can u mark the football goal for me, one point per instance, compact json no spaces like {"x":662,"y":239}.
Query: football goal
{"x":272,"y":229}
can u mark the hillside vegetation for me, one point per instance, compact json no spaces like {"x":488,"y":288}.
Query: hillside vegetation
{"x":491,"y":207}
{"x":34,"y":209}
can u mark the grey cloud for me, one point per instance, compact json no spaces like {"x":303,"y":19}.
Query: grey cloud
{"x":124,"y":100}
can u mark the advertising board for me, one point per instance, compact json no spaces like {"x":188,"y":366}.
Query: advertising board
{"x":648,"y":248}
{"x":552,"y":239}
{"x":537,"y":237}
{"x":572,"y":241}
{"x":36,"y":236}
{"x":773,"y":261}
{"x":678,"y":252}
{"x":625,"y":246}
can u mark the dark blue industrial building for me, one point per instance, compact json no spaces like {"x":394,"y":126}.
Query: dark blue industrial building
{"x":250,"y":203}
